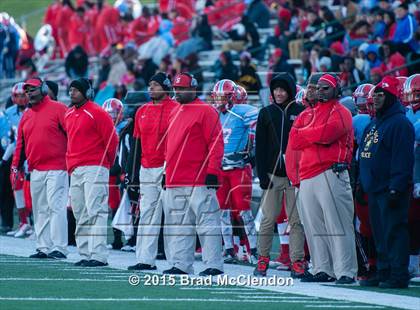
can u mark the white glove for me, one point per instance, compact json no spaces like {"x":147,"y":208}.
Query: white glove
{"x":416,"y":191}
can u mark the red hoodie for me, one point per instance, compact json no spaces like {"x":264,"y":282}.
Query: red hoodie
{"x":194,"y":145}
{"x":151,"y":125}
{"x":41,"y":137}
{"x":325,"y":136}
{"x":92,"y":140}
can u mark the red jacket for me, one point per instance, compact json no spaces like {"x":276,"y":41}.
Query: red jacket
{"x":194,"y":145}
{"x":325,"y":136}
{"x":92,"y":140}
{"x":41,"y":137}
{"x":151,"y":125}
{"x":396,"y":60}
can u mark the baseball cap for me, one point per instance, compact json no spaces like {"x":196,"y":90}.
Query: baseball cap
{"x":32,"y":83}
{"x":182,"y":80}
{"x":389,"y":84}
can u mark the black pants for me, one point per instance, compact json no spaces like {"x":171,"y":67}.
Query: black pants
{"x":7,"y":200}
{"x":390,"y":233}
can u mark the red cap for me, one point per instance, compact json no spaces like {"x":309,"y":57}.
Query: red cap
{"x":329,"y":79}
{"x":182,"y":80}
{"x":33,"y":83}
{"x":389,"y":84}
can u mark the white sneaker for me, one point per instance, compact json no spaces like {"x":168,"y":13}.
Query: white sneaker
{"x":127,"y":248}
{"x":12,"y":232}
{"x":30,"y":231}
{"x":22,"y":230}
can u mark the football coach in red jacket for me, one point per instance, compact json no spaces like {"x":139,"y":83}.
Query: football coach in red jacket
{"x":42,"y":142}
{"x":92,"y":147}
{"x":194,"y":152}
{"x":325,"y":202}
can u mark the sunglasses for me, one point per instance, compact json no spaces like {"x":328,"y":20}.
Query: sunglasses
{"x":323,"y":87}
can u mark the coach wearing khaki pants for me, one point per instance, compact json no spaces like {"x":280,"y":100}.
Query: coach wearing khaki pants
{"x":92,"y":147}
{"x":42,"y":142}
{"x":325,"y":201}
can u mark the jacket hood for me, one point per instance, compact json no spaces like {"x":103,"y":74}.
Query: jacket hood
{"x":395,"y":108}
{"x":285,"y":81}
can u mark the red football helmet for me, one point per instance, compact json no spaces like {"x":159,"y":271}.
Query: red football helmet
{"x":241,"y":95}
{"x":401,"y":81}
{"x":19,"y":95}
{"x":223,"y":93}
{"x":362,"y":98}
{"x":114,"y":108}
{"x":411,"y":90}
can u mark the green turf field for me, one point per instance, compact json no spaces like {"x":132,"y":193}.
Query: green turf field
{"x":47,"y":284}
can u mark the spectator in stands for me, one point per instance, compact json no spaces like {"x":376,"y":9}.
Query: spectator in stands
{"x":376,"y":75}
{"x":350,"y":77}
{"x":27,"y":68}
{"x":192,"y":66}
{"x":77,"y":29}
{"x":77,"y":63}
{"x":259,"y":13}
{"x":332,"y":28}
{"x":347,"y":13}
{"x":118,"y":68}
{"x":359,"y":33}
{"x":9,"y":44}
{"x":140,"y":30}
{"x":225,"y":68}
{"x":392,"y":60}
{"x":248,"y":76}
{"x":201,"y":38}
{"x":405,"y":30}
{"x":390,"y":25}
{"x":278,"y":63}
{"x":372,"y":53}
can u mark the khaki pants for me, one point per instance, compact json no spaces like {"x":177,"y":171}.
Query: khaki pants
{"x":326,"y":208}
{"x":295,"y":46}
{"x":191,"y":210}
{"x":49,"y":192}
{"x":89,"y":200}
{"x":271,"y":205}
{"x":150,"y":215}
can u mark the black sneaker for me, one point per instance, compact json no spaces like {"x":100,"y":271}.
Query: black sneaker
{"x":379,"y":276}
{"x":230,"y":257}
{"x":210,"y":272}
{"x":39,"y":254}
{"x":345,"y":280}
{"x":319,"y":277}
{"x":141,"y":266}
{"x":95,"y":263}
{"x":160,"y":256}
{"x":57,"y":255}
{"x":174,"y":270}
{"x":81,"y":263}
{"x":391,"y":283}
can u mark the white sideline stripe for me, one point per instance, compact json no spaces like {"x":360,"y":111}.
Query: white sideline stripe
{"x":290,"y":297}
{"x":252,"y":293}
{"x":216,"y":288}
{"x":344,"y":306}
{"x":132,"y":299}
{"x":117,"y":260}
{"x":61,"y":279}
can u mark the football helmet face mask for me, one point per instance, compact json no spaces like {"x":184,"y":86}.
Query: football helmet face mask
{"x":300,"y":97}
{"x":411,"y":91}
{"x":241,"y":96}
{"x":363,"y":99}
{"x":19,"y":96}
{"x":223,"y":94}
{"x":115,"y":109}
{"x":401,"y":97}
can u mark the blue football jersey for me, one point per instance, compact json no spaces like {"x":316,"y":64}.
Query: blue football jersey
{"x":238,"y":124}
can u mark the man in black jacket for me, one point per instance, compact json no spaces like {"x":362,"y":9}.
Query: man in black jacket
{"x":273,"y":126}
